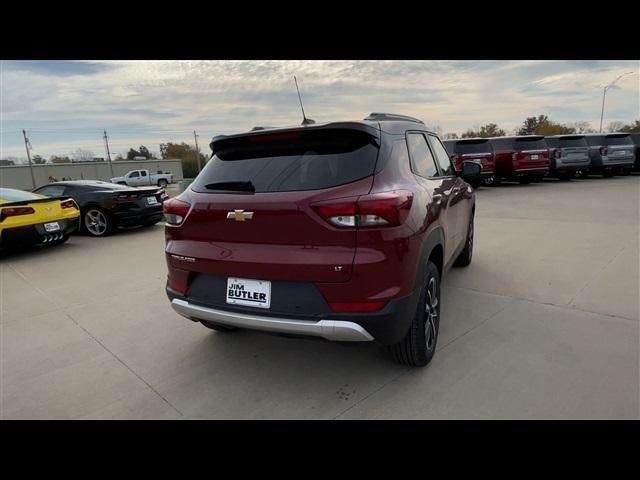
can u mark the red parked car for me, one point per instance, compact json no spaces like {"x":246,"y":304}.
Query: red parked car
{"x":340,"y":230}
{"x":524,"y":159}
{"x":477,"y":150}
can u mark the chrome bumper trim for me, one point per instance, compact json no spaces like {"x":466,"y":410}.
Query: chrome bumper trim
{"x":336,"y":330}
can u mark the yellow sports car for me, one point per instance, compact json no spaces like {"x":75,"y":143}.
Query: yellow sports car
{"x":29,"y":219}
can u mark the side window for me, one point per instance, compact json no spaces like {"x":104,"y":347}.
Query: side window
{"x":422,"y":162}
{"x":51,"y":191}
{"x":143,"y":173}
{"x":134,"y":174}
{"x":442,"y":156}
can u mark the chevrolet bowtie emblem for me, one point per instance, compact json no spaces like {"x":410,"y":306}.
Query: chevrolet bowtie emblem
{"x":239,"y":215}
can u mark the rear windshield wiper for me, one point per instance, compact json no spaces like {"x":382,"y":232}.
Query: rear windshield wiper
{"x":235,"y":186}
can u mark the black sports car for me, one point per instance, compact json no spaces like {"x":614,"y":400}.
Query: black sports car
{"x":105,"y":206}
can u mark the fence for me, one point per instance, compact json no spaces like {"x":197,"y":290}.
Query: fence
{"x":18,"y":176}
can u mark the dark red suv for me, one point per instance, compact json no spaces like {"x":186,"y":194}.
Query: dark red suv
{"x":478,"y":150}
{"x":523,"y":159}
{"x":340,"y":230}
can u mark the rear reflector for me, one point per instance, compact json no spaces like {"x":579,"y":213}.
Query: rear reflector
{"x":388,"y":209}
{"x":15,"y":211}
{"x":175,"y":210}
{"x":177,"y":286}
{"x":357,"y":307}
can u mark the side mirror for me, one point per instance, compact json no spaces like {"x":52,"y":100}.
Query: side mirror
{"x":471,"y":172}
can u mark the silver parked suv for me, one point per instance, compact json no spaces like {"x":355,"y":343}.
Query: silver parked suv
{"x":569,"y":154}
{"x":610,"y":153}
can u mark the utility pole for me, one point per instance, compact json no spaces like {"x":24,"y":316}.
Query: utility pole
{"x":27,"y":146}
{"x":106,"y":144}
{"x":195,"y":137}
{"x":604,"y":94}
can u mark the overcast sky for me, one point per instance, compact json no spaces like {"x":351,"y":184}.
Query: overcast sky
{"x":65,"y":105}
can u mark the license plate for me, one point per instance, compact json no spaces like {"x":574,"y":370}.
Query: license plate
{"x":253,"y":293}
{"x":152,"y":201}
{"x":534,"y":157}
{"x":477,"y":160}
{"x":52,"y":227}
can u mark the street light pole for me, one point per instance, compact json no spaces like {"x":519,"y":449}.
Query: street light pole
{"x":27,"y":146}
{"x":604,"y":94}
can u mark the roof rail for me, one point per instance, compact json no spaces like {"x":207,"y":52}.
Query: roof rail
{"x":378,"y":116}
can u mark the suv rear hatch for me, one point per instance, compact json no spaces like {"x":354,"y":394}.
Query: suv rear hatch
{"x":531,"y":152}
{"x":570,"y":149}
{"x":251,"y":212}
{"x":620,"y":148}
{"x":477,"y":150}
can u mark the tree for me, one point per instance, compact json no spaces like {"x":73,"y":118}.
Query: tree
{"x":615,"y":126}
{"x":632,"y":127}
{"x":141,"y":152}
{"x":38,"y":160}
{"x":582,"y":127}
{"x":186,"y":153}
{"x":56,"y":159}
{"x":81,"y":155}
{"x":531,"y":123}
{"x":485,"y":131}
{"x":450,"y":136}
{"x":553,"y":128}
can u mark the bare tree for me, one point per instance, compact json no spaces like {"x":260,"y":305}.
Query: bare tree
{"x":615,"y":126}
{"x":81,"y":155}
{"x":583,"y":127}
{"x":450,"y":136}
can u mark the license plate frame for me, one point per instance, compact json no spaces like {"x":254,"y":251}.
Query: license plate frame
{"x":248,"y":292}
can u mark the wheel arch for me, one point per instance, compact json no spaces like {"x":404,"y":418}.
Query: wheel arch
{"x":432,"y":249}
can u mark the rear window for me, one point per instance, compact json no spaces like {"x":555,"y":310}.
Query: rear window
{"x":290,"y":161}
{"x":595,"y":140}
{"x":502,"y":143}
{"x":530,"y":143}
{"x":570,"y":141}
{"x":10,"y":195}
{"x":617,"y":140}
{"x":473,"y":146}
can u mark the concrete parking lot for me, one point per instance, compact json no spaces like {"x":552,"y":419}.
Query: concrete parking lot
{"x":543,"y":324}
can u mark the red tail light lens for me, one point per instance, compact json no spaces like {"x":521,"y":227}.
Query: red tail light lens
{"x":15,"y":211}
{"x":357,"y":307}
{"x":177,"y":286}
{"x":604,"y":151}
{"x":175,"y":211}
{"x":126,"y":197}
{"x":388,"y":209}
{"x":68,"y":204}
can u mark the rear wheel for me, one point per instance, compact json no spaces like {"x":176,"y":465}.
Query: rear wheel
{"x":524,"y":180}
{"x":162,"y":183}
{"x":491,"y":181}
{"x":217,"y":327}
{"x":418,"y":346}
{"x":96,"y":222}
{"x":607,"y":173}
{"x":565,"y":176}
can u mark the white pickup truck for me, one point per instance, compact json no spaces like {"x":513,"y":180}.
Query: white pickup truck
{"x":136,"y":178}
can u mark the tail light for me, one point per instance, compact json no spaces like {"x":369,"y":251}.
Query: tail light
{"x":604,"y":151}
{"x":357,"y":306}
{"x":557,"y":153}
{"x":175,"y":211}
{"x":177,"y":286}
{"x":68,"y":204}
{"x":388,"y":209}
{"x":125,"y":197}
{"x":15,"y":211}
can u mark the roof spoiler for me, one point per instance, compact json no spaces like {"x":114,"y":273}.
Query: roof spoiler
{"x":378,"y":117}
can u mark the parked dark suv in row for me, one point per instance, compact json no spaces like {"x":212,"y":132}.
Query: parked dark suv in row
{"x":611,"y":153}
{"x":338,"y":230}
{"x":522,"y":158}
{"x":478,"y":150}
{"x":569,"y":154}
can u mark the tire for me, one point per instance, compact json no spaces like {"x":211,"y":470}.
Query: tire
{"x":464,"y":259}
{"x":565,"y":176}
{"x":418,"y":346}
{"x":607,"y":173}
{"x":216,"y":327}
{"x":162,"y":183}
{"x":122,"y":183}
{"x":582,"y":174}
{"x":97,"y":222}
{"x":626,"y":172}
{"x":524,"y":180}
{"x":491,"y":181}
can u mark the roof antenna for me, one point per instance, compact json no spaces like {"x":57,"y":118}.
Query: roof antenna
{"x":305,"y":120}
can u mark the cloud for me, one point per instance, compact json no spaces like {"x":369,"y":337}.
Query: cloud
{"x":148,"y":101}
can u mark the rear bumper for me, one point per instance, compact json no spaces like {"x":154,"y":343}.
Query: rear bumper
{"x":138,"y":216}
{"x":387,"y":326}
{"x":36,"y":234}
{"x":335,"y":330}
